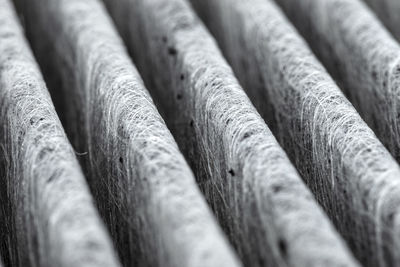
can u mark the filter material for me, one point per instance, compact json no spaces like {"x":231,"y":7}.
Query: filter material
{"x":255,"y":192}
{"x":144,"y":189}
{"x":47,"y":214}
{"x":350,"y":172}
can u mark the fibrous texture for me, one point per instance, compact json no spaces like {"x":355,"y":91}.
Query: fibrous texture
{"x":389,"y":12}
{"x":361,"y":56}
{"x":144,"y":188}
{"x":350,"y":172}
{"x":259,"y":198}
{"x":47,"y":214}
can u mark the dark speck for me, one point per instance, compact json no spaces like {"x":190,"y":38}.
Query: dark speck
{"x":32,"y":120}
{"x":172,"y":51}
{"x":374,"y":75}
{"x":93,"y":245}
{"x":231,"y":172}
{"x":179,"y":96}
{"x":277,"y":188}
{"x":245,"y":136}
{"x":282,"y":247}
{"x":51,"y":178}
{"x":191,"y":123}
{"x":182,"y":77}
{"x":121,"y":160}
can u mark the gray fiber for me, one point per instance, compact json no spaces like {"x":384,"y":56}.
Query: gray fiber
{"x":47,"y":215}
{"x":199,"y":133}
{"x":360,"y":54}
{"x":389,"y":12}
{"x":257,"y":195}
{"x":350,"y":172}
{"x":144,"y":189}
